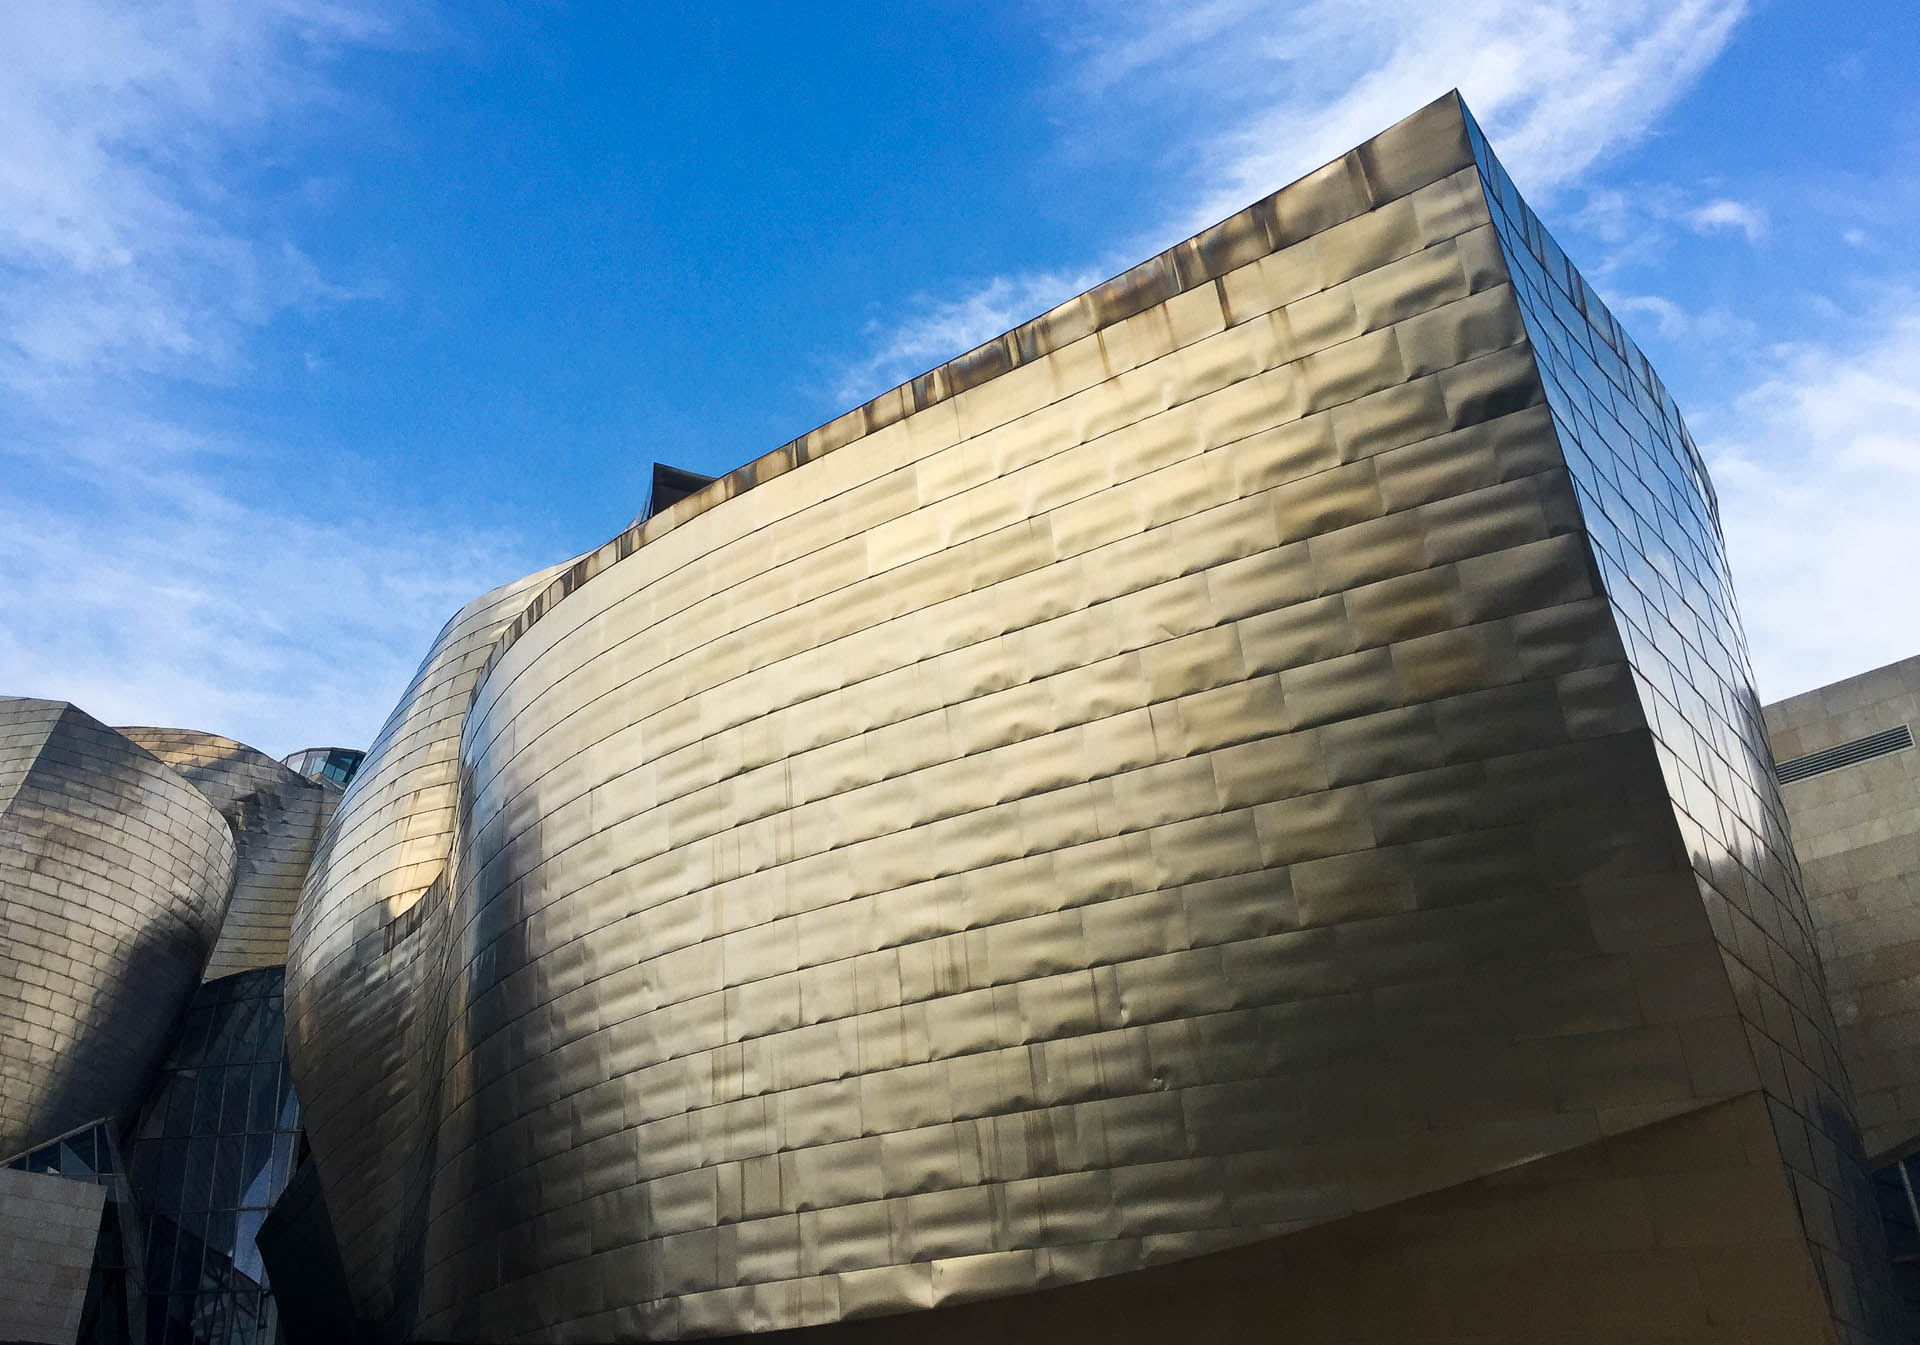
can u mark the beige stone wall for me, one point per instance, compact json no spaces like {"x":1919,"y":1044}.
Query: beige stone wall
{"x":1857,"y":832}
{"x":48,"y":1227}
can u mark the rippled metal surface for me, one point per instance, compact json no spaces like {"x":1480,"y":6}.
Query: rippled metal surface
{"x":114,"y":875}
{"x":1177,"y":775}
{"x":277,"y":818}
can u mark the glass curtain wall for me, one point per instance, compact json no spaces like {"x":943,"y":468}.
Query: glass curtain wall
{"x":211,"y":1152}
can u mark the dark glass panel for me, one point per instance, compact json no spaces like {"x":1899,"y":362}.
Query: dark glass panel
{"x":206,"y":1102}
{"x":153,"y":1116}
{"x":282,"y":1160}
{"x":262,"y":1035}
{"x":181,"y":1091}
{"x":237,"y":1031}
{"x":162,"y":1238}
{"x":265,"y":1095}
{"x":191,"y":1049}
{"x":246,"y":1256}
{"x":209,"y":1319}
{"x":198,"y":1186}
{"x":256,"y":1176}
{"x":159,"y":1169}
{"x":216,"y":1268}
{"x":228,"y":1151}
{"x":189,"y":1244}
{"x":235,"y":1090}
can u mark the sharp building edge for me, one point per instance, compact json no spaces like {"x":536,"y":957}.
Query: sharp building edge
{"x":1237,"y":807}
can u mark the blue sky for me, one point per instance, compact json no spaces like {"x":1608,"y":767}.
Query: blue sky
{"x":317,"y":319}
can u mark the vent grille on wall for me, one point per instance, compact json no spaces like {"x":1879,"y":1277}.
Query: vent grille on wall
{"x":1846,"y":754}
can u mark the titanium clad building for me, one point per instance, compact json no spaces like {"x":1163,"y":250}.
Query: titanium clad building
{"x":1238,"y":805}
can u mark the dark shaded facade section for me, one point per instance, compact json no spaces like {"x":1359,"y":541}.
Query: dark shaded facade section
{"x":1626,"y":1241}
{"x":113,"y":1300}
{"x":1854,"y":803}
{"x":671,"y":485}
{"x":134,"y":863}
{"x":309,"y":1284}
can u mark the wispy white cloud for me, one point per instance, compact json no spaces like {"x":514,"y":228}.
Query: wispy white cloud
{"x":123,"y":244}
{"x":150,"y":577}
{"x":147,"y":587}
{"x":1723,"y":215}
{"x":1246,"y":96}
{"x":1817,"y":467}
{"x":935,"y":330}
{"x":1264,"y":93}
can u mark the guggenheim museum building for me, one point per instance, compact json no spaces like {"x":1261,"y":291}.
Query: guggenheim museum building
{"x":1236,"y":810}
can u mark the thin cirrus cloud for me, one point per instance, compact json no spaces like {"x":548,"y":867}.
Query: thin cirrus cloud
{"x":935,"y":329}
{"x":1276,"y":91}
{"x":1817,"y":466}
{"x":1249,"y":96}
{"x":124,"y":249}
{"x":154,"y":592}
{"x":153,"y":581}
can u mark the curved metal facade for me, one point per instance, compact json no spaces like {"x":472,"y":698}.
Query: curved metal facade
{"x":114,"y":876}
{"x":277,"y":817}
{"x":364,"y":1017}
{"x":1199,"y":767}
